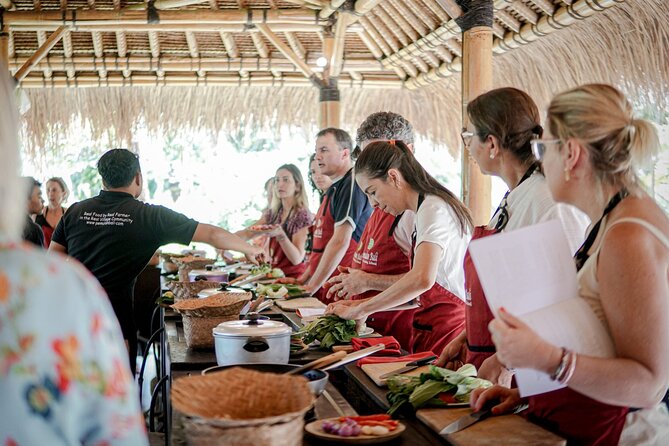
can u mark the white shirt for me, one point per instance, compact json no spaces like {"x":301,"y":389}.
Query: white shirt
{"x":404,"y":230}
{"x":531,"y":203}
{"x":437,"y":223}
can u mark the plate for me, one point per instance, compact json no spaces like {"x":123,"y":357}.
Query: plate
{"x":366,"y":331}
{"x":314,"y":428}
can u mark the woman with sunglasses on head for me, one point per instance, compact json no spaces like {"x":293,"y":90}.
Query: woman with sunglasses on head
{"x":395,"y":182}
{"x":590,"y":156}
{"x":501,"y":124}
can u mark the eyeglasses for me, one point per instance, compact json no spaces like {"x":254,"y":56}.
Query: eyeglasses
{"x":539,"y":147}
{"x":466,"y":136}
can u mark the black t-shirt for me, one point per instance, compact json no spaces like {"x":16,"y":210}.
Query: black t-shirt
{"x":32,"y":233}
{"x":114,"y":236}
{"x":347,"y":205}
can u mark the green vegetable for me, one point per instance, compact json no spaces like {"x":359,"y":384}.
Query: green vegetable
{"x":329,"y":330}
{"x":424,"y":390}
{"x":261,"y":269}
{"x":278,"y":290}
{"x":167,"y":298}
{"x":276,"y":273}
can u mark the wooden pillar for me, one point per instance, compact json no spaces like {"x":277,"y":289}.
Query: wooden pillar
{"x":329,"y":105}
{"x":476,"y":79}
{"x":4,"y":47}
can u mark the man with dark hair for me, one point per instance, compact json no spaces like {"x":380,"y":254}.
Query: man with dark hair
{"x":382,"y":256}
{"x":342,"y":215}
{"x":115,"y":235}
{"x":31,"y":231}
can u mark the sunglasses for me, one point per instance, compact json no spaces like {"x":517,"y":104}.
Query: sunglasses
{"x":466,"y":136}
{"x":539,"y":147}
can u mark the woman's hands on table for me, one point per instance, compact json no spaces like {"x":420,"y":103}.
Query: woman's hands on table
{"x":350,"y":282}
{"x":453,"y":355}
{"x":508,"y":399}
{"x":348,"y":309}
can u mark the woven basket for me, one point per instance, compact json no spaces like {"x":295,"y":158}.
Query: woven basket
{"x":188,"y":263}
{"x":201,"y":316}
{"x":189,"y":290}
{"x":242,"y":407}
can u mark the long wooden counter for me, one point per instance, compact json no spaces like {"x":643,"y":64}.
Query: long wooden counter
{"x":351,"y":392}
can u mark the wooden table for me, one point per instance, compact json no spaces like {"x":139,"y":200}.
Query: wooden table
{"x":353,"y":393}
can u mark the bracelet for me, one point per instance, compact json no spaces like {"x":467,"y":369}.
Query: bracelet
{"x":561,"y":366}
{"x":281,"y":237}
{"x":569,"y":370}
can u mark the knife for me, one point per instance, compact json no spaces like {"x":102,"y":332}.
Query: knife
{"x":355,"y":356}
{"x":409,"y":366}
{"x":468,"y":420}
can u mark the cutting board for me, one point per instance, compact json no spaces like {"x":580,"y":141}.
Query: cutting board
{"x":506,"y":429}
{"x":374,"y":371}
{"x":299,"y":302}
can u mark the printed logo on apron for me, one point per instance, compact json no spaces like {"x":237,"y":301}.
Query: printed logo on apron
{"x":318,"y":232}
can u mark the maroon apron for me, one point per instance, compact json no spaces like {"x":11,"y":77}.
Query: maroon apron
{"x":279,"y":259}
{"x":440,"y":316}
{"x":323,"y":231}
{"x":379,"y":253}
{"x":478,"y":314}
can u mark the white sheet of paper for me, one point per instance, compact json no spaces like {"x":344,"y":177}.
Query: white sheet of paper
{"x":525,"y":269}
{"x":312,"y":313}
{"x":531,"y":273}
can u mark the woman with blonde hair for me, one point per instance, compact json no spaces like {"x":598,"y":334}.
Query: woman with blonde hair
{"x":63,"y":372}
{"x":57,"y":193}
{"x":286,"y":221}
{"x":590,"y":156}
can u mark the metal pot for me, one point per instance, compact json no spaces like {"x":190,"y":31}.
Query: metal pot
{"x":252,"y":341}
{"x":210,"y":274}
{"x":317,"y":378}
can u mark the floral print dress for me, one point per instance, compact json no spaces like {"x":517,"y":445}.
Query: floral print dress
{"x":64,"y":378}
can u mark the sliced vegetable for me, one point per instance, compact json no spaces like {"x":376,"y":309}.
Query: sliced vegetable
{"x":329,"y":330}
{"x":428,"y":388}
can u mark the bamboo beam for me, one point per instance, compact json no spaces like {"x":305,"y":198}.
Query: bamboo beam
{"x":164,"y":4}
{"x":525,"y":12}
{"x":163,"y":27}
{"x":40,"y":53}
{"x":296,"y":45}
{"x":99,"y":51}
{"x":508,"y":20}
{"x":337,"y":57}
{"x":192,"y":45}
{"x":77,"y":19}
{"x":437,"y":37}
{"x":562,"y":18}
{"x":4,"y":48}
{"x":403,"y":25}
{"x":476,"y":79}
{"x":167,"y":63}
{"x":230,"y":45}
{"x":362,"y":7}
{"x":410,"y":17}
{"x":287,"y":52}
{"x":425,"y":18}
{"x":370,"y":44}
{"x":437,"y":10}
{"x":330,"y":8}
{"x":8,"y":5}
{"x":394,"y":27}
{"x":193,"y":80}
{"x":260,"y":45}
{"x":435,"y":75}
{"x":451,"y":7}
{"x":546,"y":6}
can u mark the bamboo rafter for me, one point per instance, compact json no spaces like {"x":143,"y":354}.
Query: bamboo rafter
{"x":39,"y":54}
{"x":287,"y":52}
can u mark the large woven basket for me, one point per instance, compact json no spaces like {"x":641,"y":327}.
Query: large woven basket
{"x":188,"y":263}
{"x":242,"y":407}
{"x":189,"y":290}
{"x":201,"y":316}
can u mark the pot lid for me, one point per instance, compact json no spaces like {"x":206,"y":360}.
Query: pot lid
{"x":207,"y":272}
{"x":245,"y":328}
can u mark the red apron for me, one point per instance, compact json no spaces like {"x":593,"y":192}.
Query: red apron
{"x":578,"y":418}
{"x":279,"y":260}
{"x":440,"y":316}
{"x":379,"y":253}
{"x":478,"y":314}
{"x":323,"y":231}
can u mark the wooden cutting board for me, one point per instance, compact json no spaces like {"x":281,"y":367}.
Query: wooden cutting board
{"x":374,"y":371}
{"x":506,"y":429}
{"x":299,"y":302}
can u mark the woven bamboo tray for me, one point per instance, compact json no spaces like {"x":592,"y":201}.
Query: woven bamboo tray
{"x":189,"y":290}
{"x":242,"y":407}
{"x":201,"y":316}
{"x":188,"y":263}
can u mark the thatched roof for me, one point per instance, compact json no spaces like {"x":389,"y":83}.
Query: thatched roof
{"x":210,"y":63}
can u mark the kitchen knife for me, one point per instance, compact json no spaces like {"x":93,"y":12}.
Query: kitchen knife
{"x":467,"y":420}
{"x":409,"y":366}
{"x":355,"y":356}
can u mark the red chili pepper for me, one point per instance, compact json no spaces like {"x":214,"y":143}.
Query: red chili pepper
{"x":378,"y":417}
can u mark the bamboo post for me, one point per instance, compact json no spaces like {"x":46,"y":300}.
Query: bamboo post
{"x":476,"y":79}
{"x":39,"y":54}
{"x":329,"y":105}
{"x":4,"y":47}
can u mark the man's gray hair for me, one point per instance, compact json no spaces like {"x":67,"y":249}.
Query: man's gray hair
{"x":385,"y":125}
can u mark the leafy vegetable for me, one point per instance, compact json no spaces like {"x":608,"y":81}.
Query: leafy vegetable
{"x":329,"y":330}
{"x":261,"y":269}
{"x":167,"y":298}
{"x":276,"y":273}
{"x":276,"y":290}
{"x":424,"y":390}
